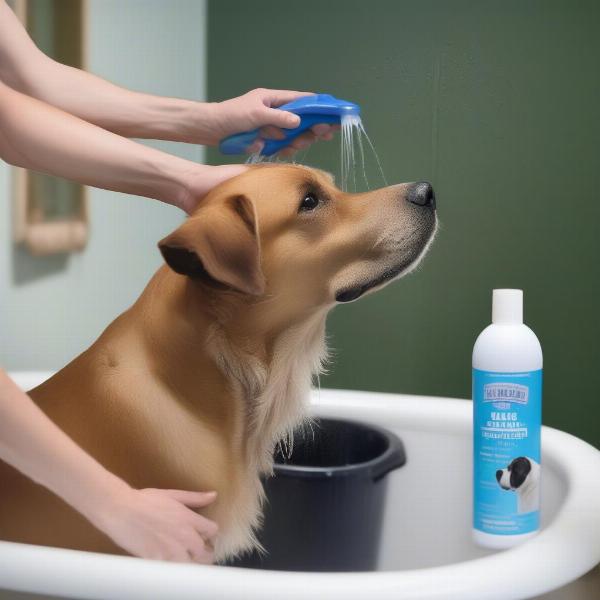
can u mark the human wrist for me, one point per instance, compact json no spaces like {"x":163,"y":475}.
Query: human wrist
{"x":171,"y":179}
{"x":101,"y":498}
{"x":182,"y":120}
{"x":203,"y":123}
{"x":212,"y":116}
{"x":190,"y":179}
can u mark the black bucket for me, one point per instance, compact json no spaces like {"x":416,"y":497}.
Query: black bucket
{"x":325,"y":503}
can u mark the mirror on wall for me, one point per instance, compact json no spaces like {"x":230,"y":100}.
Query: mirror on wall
{"x":50,"y":213}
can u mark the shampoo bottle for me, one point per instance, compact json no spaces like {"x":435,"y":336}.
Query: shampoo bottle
{"x":507,"y":420}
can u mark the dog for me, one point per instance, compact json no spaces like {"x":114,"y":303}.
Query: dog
{"x":193,"y":386}
{"x":523,"y":477}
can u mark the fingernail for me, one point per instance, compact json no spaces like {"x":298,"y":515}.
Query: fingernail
{"x":294,"y":120}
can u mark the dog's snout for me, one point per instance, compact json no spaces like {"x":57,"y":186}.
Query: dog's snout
{"x":498,"y":476}
{"x":421,"y":193}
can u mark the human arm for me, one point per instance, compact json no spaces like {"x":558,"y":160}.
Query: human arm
{"x":41,"y":137}
{"x":134,"y":114}
{"x":148,"y":523}
{"x":25,"y":68}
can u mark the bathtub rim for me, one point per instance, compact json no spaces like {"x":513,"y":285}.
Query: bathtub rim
{"x":564,"y":551}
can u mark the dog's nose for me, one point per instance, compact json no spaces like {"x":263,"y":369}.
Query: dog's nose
{"x":421,"y":193}
{"x":498,"y":476}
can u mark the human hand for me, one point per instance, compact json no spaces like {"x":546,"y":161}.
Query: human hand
{"x":159,"y":524}
{"x":257,"y":109}
{"x":200,"y":179}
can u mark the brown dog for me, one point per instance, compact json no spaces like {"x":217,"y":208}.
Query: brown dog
{"x":192,"y":387}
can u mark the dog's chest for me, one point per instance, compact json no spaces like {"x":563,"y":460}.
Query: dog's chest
{"x":272,"y":414}
{"x":242,"y":517}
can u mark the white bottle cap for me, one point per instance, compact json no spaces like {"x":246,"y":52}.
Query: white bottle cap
{"x":507,"y":306}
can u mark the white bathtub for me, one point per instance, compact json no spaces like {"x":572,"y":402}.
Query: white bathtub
{"x":426,"y":549}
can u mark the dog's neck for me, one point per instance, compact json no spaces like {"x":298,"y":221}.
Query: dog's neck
{"x":528,"y":497}
{"x":267,"y":362}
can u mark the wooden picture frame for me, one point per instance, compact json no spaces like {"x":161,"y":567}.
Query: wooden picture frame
{"x":51,"y":215}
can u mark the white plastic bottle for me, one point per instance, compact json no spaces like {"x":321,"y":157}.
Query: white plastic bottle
{"x":507,"y":415}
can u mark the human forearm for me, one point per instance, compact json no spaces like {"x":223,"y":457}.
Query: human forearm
{"x":149,"y":523}
{"x":40,"y":137}
{"x":125,"y":112}
{"x":34,"y":445}
{"x":131,"y":114}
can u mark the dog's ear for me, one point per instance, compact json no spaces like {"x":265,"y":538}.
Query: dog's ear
{"x":221,"y":241}
{"x":519,"y":470}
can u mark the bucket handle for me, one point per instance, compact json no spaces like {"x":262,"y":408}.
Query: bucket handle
{"x":393,"y":458}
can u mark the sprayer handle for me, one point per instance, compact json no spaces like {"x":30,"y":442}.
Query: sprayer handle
{"x":240,"y":142}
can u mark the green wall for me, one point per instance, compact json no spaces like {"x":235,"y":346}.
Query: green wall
{"x":495,"y":103}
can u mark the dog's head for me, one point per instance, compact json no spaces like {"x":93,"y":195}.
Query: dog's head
{"x":286,"y":233}
{"x":516,"y":474}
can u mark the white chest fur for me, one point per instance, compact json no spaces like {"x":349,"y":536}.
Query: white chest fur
{"x":276,"y":400}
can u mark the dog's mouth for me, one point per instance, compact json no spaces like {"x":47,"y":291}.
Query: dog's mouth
{"x":355,"y":292}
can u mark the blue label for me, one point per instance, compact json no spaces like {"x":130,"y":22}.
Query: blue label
{"x":507,"y":421}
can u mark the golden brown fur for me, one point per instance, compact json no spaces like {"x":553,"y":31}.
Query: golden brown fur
{"x":192,"y":387}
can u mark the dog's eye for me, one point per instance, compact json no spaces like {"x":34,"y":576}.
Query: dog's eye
{"x":310,"y":202}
